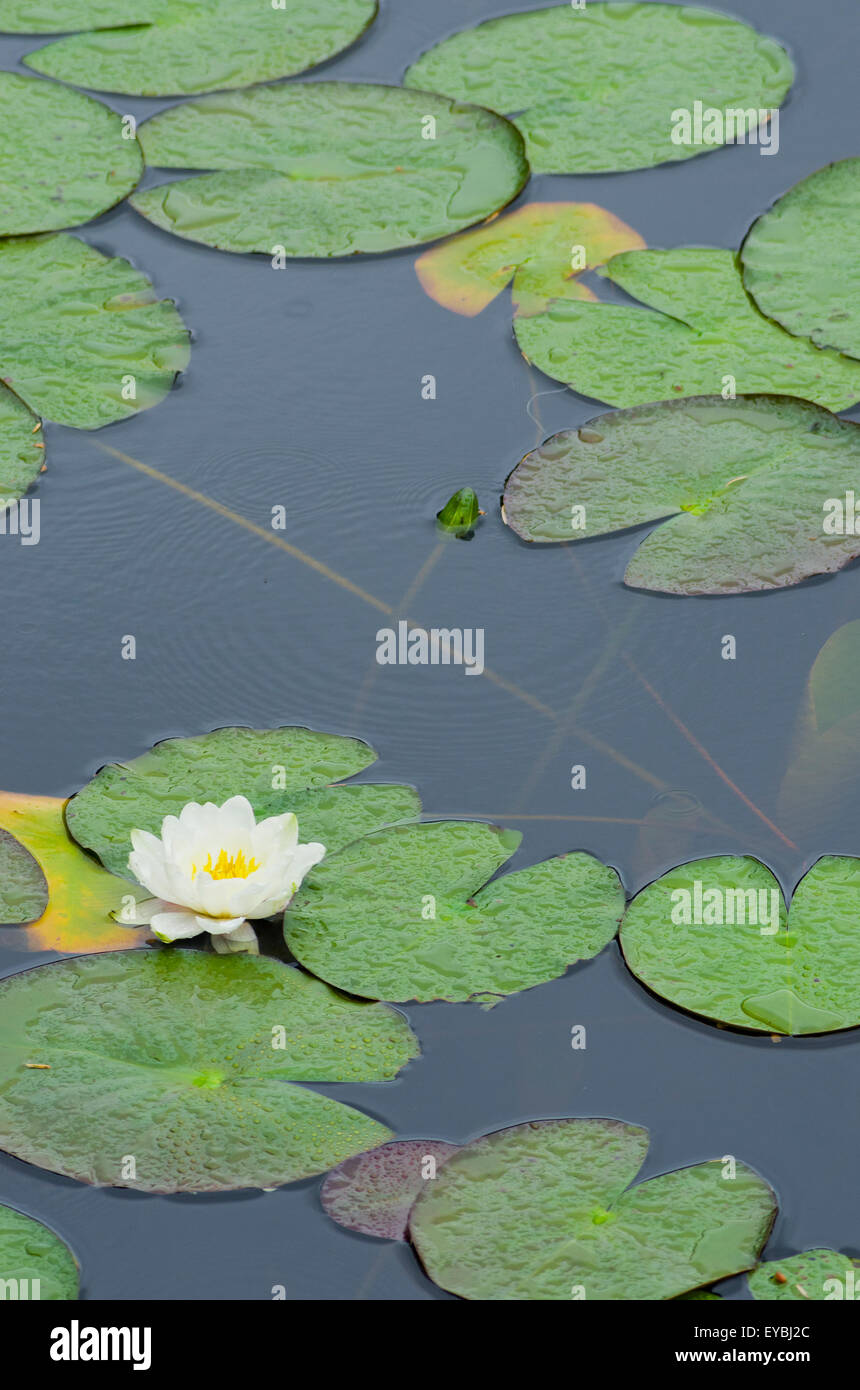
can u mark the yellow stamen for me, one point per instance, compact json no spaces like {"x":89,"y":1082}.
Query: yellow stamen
{"x":227,"y":866}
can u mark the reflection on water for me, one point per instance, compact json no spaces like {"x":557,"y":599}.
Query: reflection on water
{"x":304,"y":391}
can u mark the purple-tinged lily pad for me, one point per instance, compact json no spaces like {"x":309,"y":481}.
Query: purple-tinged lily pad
{"x":374,"y":1192}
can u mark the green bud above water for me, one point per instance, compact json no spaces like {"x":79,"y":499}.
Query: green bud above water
{"x":460,"y":512}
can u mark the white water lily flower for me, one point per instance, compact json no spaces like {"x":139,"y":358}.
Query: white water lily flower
{"x":213,"y":867}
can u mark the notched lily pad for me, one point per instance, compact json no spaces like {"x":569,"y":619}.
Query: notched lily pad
{"x":328,"y":169}
{"x":23,"y":886}
{"x":34,"y":1262}
{"x":597,"y":88}
{"x":84,"y":339}
{"x":711,"y":936}
{"x":170,"y":1071}
{"x":373,"y":1193}
{"x":800,"y":259}
{"x":812,"y":1276}
{"x":63,"y":156}
{"x":403,"y":915}
{"x":544,"y":1211}
{"x":542,"y":248}
{"x":74,"y":895}
{"x":745,"y":484}
{"x":701,"y":335}
{"x":286,"y":769}
{"x":22,"y":448}
{"x":179,"y":47}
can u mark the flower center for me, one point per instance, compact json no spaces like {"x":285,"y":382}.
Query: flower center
{"x":208,"y":1080}
{"x":227,"y":866}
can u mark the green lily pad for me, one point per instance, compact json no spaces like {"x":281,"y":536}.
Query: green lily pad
{"x":702,"y":336}
{"x":597,"y":87}
{"x":699,"y":1296}
{"x":44,"y":17}
{"x":22,"y":449}
{"x":328,"y":168}
{"x":703,"y":937}
{"x":181,"y":47}
{"x":168,"y":1071}
{"x":799,"y":259}
{"x":399,"y":915}
{"x":63,"y":157}
{"x":373,"y":1193}
{"x":287,"y":769}
{"x":542,"y":247}
{"x":744,"y":482}
{"x":34,"y":1262}
{"x":23,"y":886}
{"x":84,"y":340}
{"x":812,"y":1276}
{"x":544,"y":1211}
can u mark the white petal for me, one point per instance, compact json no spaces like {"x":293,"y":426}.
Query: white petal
{"x":152,"y":873}
{"x":196,"y":813}
{"x":176,"y":926}
{"x":304,"y":859}
{"x":223,"y":897}
{"x":275,"y":835}
{"x":243,"y":940}
{"x":240,"y":812}
{"x":179,"y":885}
{"x":221,"y":926}
{"x":170,"y":829}
{"x":244,"y":932}
{"x":143,"y":912}
{"x":145,"y":840}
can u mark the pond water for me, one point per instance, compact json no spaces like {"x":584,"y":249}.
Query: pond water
{"x":304,"y":390}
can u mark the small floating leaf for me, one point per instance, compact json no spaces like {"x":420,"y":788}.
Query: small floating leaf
{"x":711,"y":937}
{"x":702,"y":335}
{"x":800,"y":258}
{"x":22,"y":451}
{"x":460,"y":512}
{"x":287,"y":769}
{"x":328,"y":168}
{"x":178,"y":47}
{"x":544,"y":1211}
{"x":597,"y":87}
{"x":182,"y":1060}
{"x":402,"y":914}
{"x":81,"y":895}
{"x":745,"y":483}
{"x":63,"y":158}
{"x":542,"y":247}
{"x":84,"y":340}
{"x":373,"y":1193}
{"x":812,"y":1276}
{"x":33,"y":1260}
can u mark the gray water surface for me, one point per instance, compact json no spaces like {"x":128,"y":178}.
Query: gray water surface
{"x":304,"y":390}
